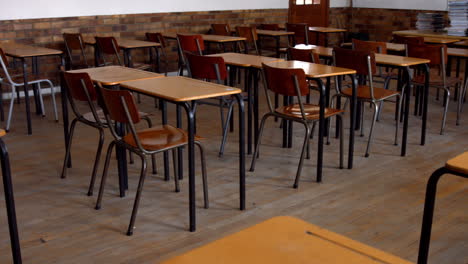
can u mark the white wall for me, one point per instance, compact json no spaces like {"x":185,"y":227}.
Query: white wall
{"x":22,"y":9}
{"x":403,"y":4}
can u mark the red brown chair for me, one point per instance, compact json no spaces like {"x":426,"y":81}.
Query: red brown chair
{"x":74,"y":42}
{"x":211,"y":68}
{"x":158,"y":38}
{"x":80,"y":89}
{"x":120,"y":107}
{"x":405,"y":40}
{"x":189,"y":43}
{"x":251,"y":38}
{"x":437,"y":54}
{"x":221,"y":29}
{"x":307,"y":55}
{"x":293,"y":83}
{"x":363,"y":62}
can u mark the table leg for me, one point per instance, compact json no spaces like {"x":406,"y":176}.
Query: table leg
{"x":425,"y":103}
{"x":352,"y":120}
{"x":241,"y":151}
{"x":256,"y":105}
{"x":407,"y":110}
{"x":37,"y":100}
{"x":26,"y":96}
{"x":66,"y":122}
{"x":191,"y":157}
{"x":321,"y":87}
{"x":327,"y":102}
{"x":10,"y":204}
{"x":163,"y":105}
{"x":180,"y":152}
{"x":285,"y":125}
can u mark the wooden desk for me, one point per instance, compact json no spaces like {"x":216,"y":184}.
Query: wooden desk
{"x":110,"y":76}
{"x":276,"y":34}
{"x":390,"y":46}
{"x":21,"y":51}
{"x":316,"y":72}
{"x":184,"y":92}
{"x":207,"y":38}
{"x":463,"y":43}
{"x":127,"y":45}
{"x":326,"y":31}
{"x":440,"y":40}
{"x":285,"y":240}
{"x":403,"y":63}
{"x":428,"y":33}
{"x":252,"y":64}
{"x":114,"y":75}
{"x":458,"y":54}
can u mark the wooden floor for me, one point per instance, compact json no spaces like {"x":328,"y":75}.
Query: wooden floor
{"x":379,"y":202}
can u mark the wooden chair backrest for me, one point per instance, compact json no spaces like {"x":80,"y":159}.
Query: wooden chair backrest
{"x":206,"y":67}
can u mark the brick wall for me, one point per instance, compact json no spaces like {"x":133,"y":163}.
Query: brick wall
{"x":380,"y":23}
{"x":47,"y":32}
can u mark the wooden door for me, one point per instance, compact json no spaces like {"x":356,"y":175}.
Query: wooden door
{"x":312,"y":12}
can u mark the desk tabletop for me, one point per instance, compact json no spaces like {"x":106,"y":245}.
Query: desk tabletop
{"x":326,"y":29}
{"x":427,"y":33}
{"x":179,"y":89}
{"x":113,"y":75}
{"x":399,"y":61}
{"x":274,"y":33}
{"x":127,"y":43}
{"x":206,"y":37}
{"x":245,"y":60}
{"x":440,"y":40}
{"x":283,"y":240}
{"x":463,"y":43}
{"x":22,"y":51}
{"x":457,"y":52}
{"x":312,"y":70}
{"x":320,"y":50}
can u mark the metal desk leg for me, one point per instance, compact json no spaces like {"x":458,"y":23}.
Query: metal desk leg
{"x":321,"y":86}
{"x":256,"y":105}
{"x":66,"y":122}
{"x":352,"y":120}
{"x":26,"y":96}
{"x":37,"y":100}
{"x":425,"y":103}
{"x":249,"y":110}
{"x":406,"y":110}
{"x":163,"y":105}
{"x":241,"y":151}
{"x":191,"y":157}
{"x":180,"y":151}
{"x":10,"y":204}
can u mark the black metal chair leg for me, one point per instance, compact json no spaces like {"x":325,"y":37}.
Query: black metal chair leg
{"x":301,"y":160}
{"x":96,"y":162}
{"x":104,"y":175}
{"x":204,"y":176}
{"x":176,"y":174}
{"x":138,"y":196}
{"x":67,"y":151}
{"x":10,"y":204}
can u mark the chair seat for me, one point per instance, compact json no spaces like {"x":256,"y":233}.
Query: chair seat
{"x":436,"y":80}
{"x":459,"y":163}
{"x":19,"y":78}
{"x":363,"y":92}
{"x":160,"y":137}
{"x":312,"y":112}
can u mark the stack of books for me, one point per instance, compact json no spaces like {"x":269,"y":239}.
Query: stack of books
{"x":458,"y":15}
{"x":431,"y":21}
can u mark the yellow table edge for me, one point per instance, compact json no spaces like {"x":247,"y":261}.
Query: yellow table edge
{"x":275,"y":223}
{"x":459,"y":163}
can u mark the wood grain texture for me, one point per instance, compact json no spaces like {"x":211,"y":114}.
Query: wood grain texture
{"x":312,"y":70}
{"x":179,"y":89}
{"x":427,"y":33}
{"x":112,"y":75}
{"x":286,"y":239}
{"x":379,"y":202}
{"x":23,"y":51}
{"x":207,"y":38}
{"x":245,"y":60}
{"x":263,"y":32}
{"x":326,"y":29}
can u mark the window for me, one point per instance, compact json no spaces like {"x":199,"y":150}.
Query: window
{"x":307,"y":2}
